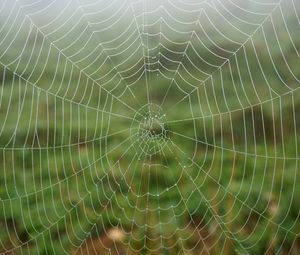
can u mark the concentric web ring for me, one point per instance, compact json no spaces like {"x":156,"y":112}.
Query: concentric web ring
{"x":148,"y":130}
{"x":149,"y":127}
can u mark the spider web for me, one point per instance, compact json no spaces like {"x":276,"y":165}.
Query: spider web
{"x":149,"y":127}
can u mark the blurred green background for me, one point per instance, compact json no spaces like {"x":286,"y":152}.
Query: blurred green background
{"x":73,"y":177}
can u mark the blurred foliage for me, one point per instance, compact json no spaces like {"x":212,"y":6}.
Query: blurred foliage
{"x":59,"y":187}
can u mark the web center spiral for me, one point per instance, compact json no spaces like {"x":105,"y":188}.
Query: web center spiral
{"x":148,"y":130}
